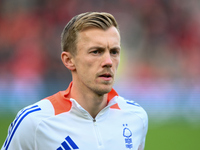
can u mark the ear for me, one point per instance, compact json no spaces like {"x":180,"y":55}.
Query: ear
{"x":67,"y":60}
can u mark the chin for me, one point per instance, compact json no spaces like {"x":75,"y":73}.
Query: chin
{"x":104,"y":90}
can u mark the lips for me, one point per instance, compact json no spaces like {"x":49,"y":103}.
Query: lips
{"x":106,"y":75}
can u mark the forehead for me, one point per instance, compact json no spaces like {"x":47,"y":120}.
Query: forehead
{"x":99,"y":36}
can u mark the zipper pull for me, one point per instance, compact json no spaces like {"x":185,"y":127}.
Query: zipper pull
{"x":94,"y":121}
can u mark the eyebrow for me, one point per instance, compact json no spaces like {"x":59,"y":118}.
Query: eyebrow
{"x":96,"y":47}
{"x":116,"y":47}
{"x":102,"y":48}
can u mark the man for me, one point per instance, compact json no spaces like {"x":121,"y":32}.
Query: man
{"x":89,"y":115}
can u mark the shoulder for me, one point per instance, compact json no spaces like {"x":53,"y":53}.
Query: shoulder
{"x":37,"y":111}
{"x":44,"y":109}
{"x":30,"y":116}
{"x":133,"y":108}
{"x":25,"y":124}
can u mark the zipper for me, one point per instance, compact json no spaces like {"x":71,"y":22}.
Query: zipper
{"x":96,"y":130}
{"x":97,"y":133}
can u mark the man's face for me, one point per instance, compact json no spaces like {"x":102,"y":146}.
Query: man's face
{"x":97,"y":59}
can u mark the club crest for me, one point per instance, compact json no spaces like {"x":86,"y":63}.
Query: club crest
{"x":128,"y":136}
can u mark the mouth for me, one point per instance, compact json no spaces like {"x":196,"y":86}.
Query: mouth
{"x":106,"y":76}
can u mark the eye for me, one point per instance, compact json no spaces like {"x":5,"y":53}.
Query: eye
{"x":95,"y":51}
{"x":114,"y":51}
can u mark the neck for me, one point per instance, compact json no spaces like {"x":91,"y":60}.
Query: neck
{"x":90,"y":101}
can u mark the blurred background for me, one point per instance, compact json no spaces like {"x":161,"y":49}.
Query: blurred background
{"x":160,"y":61}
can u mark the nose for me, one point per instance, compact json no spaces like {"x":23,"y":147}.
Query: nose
{"x":107,"y":60}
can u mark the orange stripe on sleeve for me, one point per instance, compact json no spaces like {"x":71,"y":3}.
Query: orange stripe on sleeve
{"x":59,"y":103}
{"x":111,"y":95}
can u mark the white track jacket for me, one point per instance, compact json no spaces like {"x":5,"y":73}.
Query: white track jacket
{"x":58,"y":123}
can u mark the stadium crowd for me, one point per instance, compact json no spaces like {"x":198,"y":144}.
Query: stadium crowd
{"x":160,"y":40}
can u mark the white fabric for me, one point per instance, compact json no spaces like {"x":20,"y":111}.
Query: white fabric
{"x":36,"y":127}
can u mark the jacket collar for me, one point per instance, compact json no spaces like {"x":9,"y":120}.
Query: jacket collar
{"x":62,"y":103}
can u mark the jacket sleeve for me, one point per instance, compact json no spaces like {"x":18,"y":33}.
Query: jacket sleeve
{"x":145,"y":129}
{"x":22,"y":130}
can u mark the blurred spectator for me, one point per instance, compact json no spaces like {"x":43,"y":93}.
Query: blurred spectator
{"x":161,"y":39}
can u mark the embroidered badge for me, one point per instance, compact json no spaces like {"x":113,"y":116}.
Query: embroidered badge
{"x":128,"y":136}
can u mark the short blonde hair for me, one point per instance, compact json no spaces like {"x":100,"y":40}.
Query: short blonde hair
{"x":82,"y":21}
